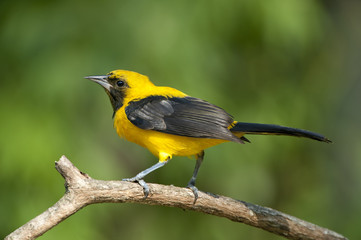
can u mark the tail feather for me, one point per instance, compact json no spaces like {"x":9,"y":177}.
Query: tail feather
{"x":271,"y":129}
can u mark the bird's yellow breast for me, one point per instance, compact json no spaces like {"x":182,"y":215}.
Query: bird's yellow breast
{"x":162,"y":145}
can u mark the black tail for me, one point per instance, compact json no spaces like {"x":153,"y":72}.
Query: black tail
{"x":270,"y":129}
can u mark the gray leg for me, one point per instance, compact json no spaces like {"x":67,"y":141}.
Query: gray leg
{"x":139,"y":177}
{"x":192,"y":182}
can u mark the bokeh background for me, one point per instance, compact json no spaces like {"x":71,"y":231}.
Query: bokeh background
{"x":289,"y":62}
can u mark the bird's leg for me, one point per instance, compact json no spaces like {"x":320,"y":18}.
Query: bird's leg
{"x":192,"y":182}
{"x":139,"y":177}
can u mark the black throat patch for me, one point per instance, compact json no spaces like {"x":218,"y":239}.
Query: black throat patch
{"x":116,"y":99}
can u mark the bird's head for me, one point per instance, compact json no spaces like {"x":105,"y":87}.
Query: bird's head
{"x":120,"y":83}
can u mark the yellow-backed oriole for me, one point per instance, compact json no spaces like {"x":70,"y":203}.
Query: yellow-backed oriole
{"x":168,"y":122}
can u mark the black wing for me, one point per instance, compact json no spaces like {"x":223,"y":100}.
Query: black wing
{"x":188,"y":116}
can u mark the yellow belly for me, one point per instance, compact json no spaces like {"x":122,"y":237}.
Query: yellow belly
{"x":162,"y":145}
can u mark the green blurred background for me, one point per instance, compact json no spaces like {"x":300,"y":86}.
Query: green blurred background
{"x":290,"y":62}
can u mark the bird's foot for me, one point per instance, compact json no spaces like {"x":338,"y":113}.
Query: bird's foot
{"x":139,"y":177}
{"x":141,"y":182}
{"x":194,"y":189}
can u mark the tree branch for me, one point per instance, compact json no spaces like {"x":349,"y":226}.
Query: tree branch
{"x":82,"y":190}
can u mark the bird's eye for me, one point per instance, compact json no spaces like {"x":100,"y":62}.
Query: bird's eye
{"x":120,"y":83}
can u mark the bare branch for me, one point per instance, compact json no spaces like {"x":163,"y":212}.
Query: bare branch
{"x":82,"y":190}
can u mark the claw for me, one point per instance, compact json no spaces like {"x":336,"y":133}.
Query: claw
{"x":141,"y":182}
{"x":194,"y":190}
{"x":133,"y":179}
{"x":145,"y":188}
{"x":139,"y":177}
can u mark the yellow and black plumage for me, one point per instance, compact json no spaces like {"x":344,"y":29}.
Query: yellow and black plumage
{"x":168,"y":122}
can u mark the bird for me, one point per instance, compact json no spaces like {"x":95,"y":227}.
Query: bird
{"x":171,"y":123}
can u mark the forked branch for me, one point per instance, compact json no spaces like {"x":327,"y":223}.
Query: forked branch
{"x":82,"y":190}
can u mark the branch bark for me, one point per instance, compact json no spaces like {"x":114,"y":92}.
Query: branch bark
{"x":82,"y":190}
